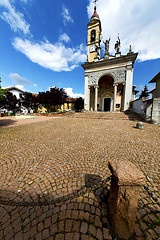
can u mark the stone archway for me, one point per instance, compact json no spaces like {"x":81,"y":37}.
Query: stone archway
{"x":105,"y":93}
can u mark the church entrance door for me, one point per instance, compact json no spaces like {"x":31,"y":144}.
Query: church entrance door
{"x":107,"y":104}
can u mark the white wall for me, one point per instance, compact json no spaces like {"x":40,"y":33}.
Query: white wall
{"x":16,"y":93}
{"x":138,"y":106}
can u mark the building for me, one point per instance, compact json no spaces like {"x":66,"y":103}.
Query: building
{"x":69,"y":104}
{"x":108,"y":80}
{"x":17,"y":92}
{"x":155,"y":115}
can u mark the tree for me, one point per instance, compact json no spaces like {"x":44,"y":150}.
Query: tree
{"x":52,"y":98}
{"x":145,"y":92}
{"x":79,"y":104}
{"x":2,"y":91}
{"x":10,"y":102}
{"x":28,"y":100}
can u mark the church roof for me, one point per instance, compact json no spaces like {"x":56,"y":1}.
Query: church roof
{"x":95,"y":19}
{"x":95,"y":14}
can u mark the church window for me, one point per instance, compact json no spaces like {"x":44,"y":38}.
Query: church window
{"x":93,"y":35}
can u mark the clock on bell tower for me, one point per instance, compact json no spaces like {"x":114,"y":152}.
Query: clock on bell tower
{"x":94,"y":35}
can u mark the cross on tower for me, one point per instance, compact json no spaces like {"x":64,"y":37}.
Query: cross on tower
{"x":95,"y":1}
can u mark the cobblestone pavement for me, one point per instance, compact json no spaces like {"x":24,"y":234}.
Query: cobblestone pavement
{"x":47,"y":169}
{"x":13,"y":121}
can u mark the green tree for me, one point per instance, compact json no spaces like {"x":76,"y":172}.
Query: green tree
{"x":52,"y":98}
{"x":79,"y":104}
{"x":28,"y":100}
{"x":145,"y":92}
{"x":2,"y":91}
{"x":10,"y":102}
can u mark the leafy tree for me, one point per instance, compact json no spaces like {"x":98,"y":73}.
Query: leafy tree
{"x":52,"y":98}
{"x":145,"y":92}
{"x":10,"y":102}
{"x":28,"y":100}
{"x":2,"y":91}
{"x":79,"y":104}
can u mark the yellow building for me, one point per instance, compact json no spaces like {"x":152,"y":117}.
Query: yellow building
{"x":69,"y":104}
{"x":41,"y":109}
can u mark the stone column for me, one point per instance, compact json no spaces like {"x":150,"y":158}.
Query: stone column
{"x":86,"y":98}
{"x":123,"y":199}
{"x":89,"y":98}
{"x":96,"y":98}
{"x":123,"y":92}
{"x":128,"y":86}
{"x":115,"y":94}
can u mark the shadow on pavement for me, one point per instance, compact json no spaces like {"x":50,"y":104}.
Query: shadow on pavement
{"x":6,"y":122}
{"x":40,"y":216}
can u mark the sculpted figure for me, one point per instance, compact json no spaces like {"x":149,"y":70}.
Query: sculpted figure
{"x":106,"y":47}
{"x":117,"y":45}
{"x":97,"y":51}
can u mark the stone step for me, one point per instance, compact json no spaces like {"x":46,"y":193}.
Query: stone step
{"x":106,"y":116}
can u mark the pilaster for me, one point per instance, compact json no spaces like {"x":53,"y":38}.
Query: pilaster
{"x":96,"y":97}
{"x":115,"y":95}
{"x":128,"y":86}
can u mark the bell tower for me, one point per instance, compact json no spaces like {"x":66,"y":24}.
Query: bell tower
{"x":94,"y":37}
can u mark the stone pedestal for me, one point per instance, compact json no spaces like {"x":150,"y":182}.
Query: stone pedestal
{"x":123,"y":199}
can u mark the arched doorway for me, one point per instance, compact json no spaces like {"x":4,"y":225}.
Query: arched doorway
{"x":105,"y":93}
{"x":107,"y":104}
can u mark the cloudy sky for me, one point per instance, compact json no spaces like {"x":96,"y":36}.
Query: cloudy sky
{"x":43,"y":43}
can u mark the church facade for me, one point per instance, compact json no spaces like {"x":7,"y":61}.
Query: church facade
{"x":108,"y":80}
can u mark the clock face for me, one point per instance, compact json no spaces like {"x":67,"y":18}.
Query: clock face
{"x":92,"y":49}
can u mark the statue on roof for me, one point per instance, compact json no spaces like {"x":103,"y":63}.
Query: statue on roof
{"x":107,"y":47}
{"x":117,"y":45}
{"x":97,"y":51}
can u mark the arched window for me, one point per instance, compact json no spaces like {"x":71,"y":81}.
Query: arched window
{"x":93,"y":35}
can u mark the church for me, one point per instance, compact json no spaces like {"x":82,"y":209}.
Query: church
{"x":108,"y":80}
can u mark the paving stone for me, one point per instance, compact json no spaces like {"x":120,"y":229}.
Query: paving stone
{"x":84,"y":227}
{"x":68,"y":225}
{"x":92,"y":230}
{"x":60,"y":237}
{"x":45,"y":234}
{"x":55,"y":158}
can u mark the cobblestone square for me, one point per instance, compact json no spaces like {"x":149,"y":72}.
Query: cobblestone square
{"x":48,"y":167}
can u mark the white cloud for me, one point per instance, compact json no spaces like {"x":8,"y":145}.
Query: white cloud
{"x":51,"y":87}
{"x":25,"y":1}
{"x":66,"y":15}
{"x":64,"y":37}
{"x":18,"y":79}
{"x":136,"y":21}
{"x":70,"y":93}
{"x":14,"y":19}
{"x":35,"y":85}
{"x":55,"y":57}
{"x":21,"y":87}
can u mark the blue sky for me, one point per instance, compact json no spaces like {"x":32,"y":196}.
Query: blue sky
{"x":43,"y":42}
